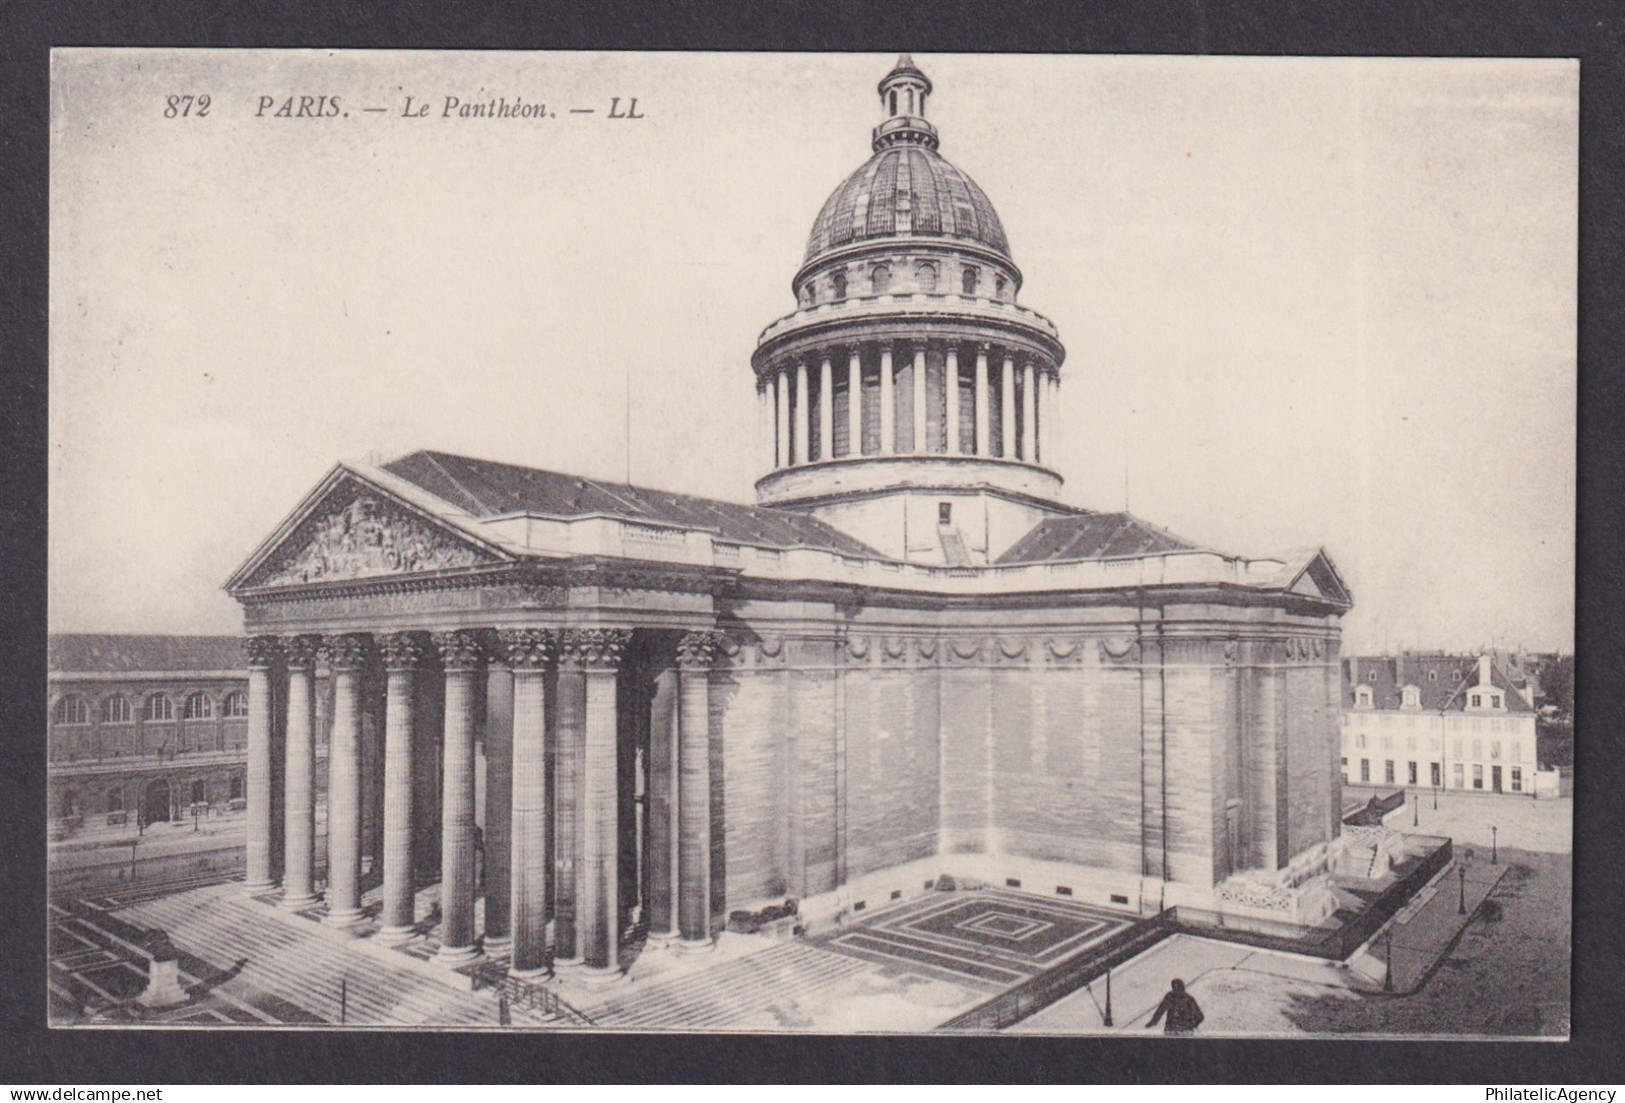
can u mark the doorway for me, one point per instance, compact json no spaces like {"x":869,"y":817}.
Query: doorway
{"x":155,"y":805}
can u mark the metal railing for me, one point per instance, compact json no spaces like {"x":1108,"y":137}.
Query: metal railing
{"x":521,"y":993}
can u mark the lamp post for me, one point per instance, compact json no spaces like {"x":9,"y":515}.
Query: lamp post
{"x":1461,"y":875}
{"x":1416,"y":810}
{"x":1435,"y":798}
{"x":1388,"y":970}
{"x":1492,"y":845}
{"x":1107,"y":1021}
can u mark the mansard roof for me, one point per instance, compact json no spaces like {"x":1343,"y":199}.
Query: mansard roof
{"x":483,"y":489}
{"x":1446,"y":690}
{"x":1092,"y":536}
{"x":103,"y":653}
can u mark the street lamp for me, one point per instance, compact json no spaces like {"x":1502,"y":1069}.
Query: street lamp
{"x":1492,"y":845}
{"x":1435,"y":798}
{"x":1388,"y":971}
{"x":1416,"y":810}
{"x":1461,"y":874}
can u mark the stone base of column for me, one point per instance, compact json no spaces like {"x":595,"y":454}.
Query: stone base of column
{"x":497,"y":945}
{"x":593,"y":976}
{"x":539,"y":973}
{"x":689,"y":946}
{"x":344,"y":917}
{"x":258,"y":888}
{"x":455,"y":957}
{"x":395,"y":936}
{"x":299,"y":903}
{"x":659,"y":940}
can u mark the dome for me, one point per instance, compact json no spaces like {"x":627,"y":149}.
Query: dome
{"x":907,"y":189}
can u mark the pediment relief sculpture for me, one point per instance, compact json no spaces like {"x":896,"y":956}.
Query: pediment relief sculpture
{"x":365,"y":538}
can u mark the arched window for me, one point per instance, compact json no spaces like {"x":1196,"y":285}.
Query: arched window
{"x":925,"y":276}
{"x":838,"y":283}
{"x":998,"y":286}
{"x":159,"y":707}
{"x":236,"y":706}
{"x":809,"y":295}
{"x":115,"y":799}
{"x":880,"y":279}
{"x":892,"y":107}
{"x":199,"y":706}
{"x":116,"y":709}
{"x":969,"y":281}
{"x":72,"y":710}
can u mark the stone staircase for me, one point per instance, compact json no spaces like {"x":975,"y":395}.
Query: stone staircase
{"x":310,"y":970}
{"x":745,"y":990}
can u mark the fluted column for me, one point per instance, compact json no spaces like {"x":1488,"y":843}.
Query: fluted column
{"x":854,"y":402}
{"x":826,"y":409}
{"x":403,"y":651}
{"x":781,"y":391}
{"x":695,"y":654}
{"x":888,"y":404}
{"x":598,"y":651}
{"x":1047,"y":417}
{"x":983,"y":444}
{"x":921,"y":418}
{"x":803,"y":416}
{"x":346,"y":655}
{"x":496,"y":872}
{"x":530,"y":652}
{"x":950,"y":384}
{"x":459,"y":654}
{"x":263,"y":653}
{"x":299,"y":850}
{"x":1007,"y":411}
{"x":1029,"y":419}
{"x":764,"y":425}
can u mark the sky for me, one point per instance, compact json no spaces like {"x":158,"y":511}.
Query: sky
{"x":1305,"y":301}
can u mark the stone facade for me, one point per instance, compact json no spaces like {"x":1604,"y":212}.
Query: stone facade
{"x":909,"y":659}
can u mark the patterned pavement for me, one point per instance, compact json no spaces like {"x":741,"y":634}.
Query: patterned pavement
{"x":985,"y":938}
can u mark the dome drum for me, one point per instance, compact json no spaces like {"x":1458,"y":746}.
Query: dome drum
{"x":921,"y":266}
{"x":795,"y":486}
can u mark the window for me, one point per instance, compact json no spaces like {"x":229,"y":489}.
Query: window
{"x":945,"y":513}
{"x":116,"y":709}
{"x":1517,"y":779}
{"x":159,"y":707}
{"x":1365,"y":769}
{"x":115,"y":799}
{"x":1495,"y":750}
{"x":199,"y":793}
{"x":1433,"y":675}
{"x":1494,"y":700}
{"x":809,"y":295}
{"x":1412,"y":697}
{"x":925,"y":276}
{"x":1388,"y":772}
{"x":1478,"y":700}
{"x":998,"y":286}
{"x":236,"y":787}
{"x":891,"y":107}
{"x":1478,"y":776}
{"x":1433,"y":774}
{"x":72,"y":710}
{"x":1478,"y":748}
{"x":880,"y":279}
{"x":1456,"y":772}
{"x":838,"y":285}
{"x":1362,"y":697}
{"x":198,"y":707}
{"x":1387,"y":742}
{"x":236,"y":706}
{"x":970,"y":279}
{"x":1359,"y":740}
{"x":1410,"y":773}
{"x":1344,"y":762}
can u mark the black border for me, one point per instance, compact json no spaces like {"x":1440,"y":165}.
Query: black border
{"x":1593,"y":32}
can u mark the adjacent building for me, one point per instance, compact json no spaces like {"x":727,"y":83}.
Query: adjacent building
{"x":1437,"y":721}
{"x":145,"y":727}
{"x":907,"y":658}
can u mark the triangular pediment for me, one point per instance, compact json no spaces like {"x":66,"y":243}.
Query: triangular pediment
{"x":1319,"y":579}
{"x":350,"y":528}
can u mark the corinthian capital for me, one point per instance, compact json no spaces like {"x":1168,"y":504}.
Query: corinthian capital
{"x":595,"y":648}
{"x":528,"y":648}
{"x":348,"y":652}
{"x":698,"y":649}
{"x":402,"y":650}
{"x":263,"y":651}
{"x":459,"y":650}
{"x":302,"y":650}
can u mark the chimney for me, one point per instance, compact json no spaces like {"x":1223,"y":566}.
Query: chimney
{"x":1484,"y":662}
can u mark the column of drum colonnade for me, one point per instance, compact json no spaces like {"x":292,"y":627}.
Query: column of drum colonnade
{"x":786,"y":393}
{"x":587,"y":749}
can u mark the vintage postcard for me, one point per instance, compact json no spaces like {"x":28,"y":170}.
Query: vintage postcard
{"x":1066,"y":545}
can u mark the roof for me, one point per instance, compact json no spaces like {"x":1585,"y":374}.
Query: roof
{"x":97,"y":653}
{"x":1092,"y":536}
{"x":906,"y":190}
{"x":483,"y":489}
{"x":1445,"y":691}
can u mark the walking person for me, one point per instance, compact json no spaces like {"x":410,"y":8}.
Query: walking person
{"x":1184,"y":1015}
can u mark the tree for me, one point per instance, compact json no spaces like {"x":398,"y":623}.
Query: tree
{"x":1557,"y":685}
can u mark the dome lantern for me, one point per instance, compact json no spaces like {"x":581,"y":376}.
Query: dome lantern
{"x":903,"y":93}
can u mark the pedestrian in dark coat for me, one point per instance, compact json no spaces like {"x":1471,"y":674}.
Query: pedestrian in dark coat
{"x":1184,"y":1016}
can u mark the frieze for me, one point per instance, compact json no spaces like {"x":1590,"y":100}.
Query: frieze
{"x":1060,"y":651}
{"x":1120,"y":649}
{"x":365,"y":538}
{"x":965,"y":651}
{"x":859,"y":647}
{"x":411,"y":601}
{"x":770,"y":651}
{"x":894,"y":651}
{"x":925,"y":649}
{"x":1014,"y":651}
